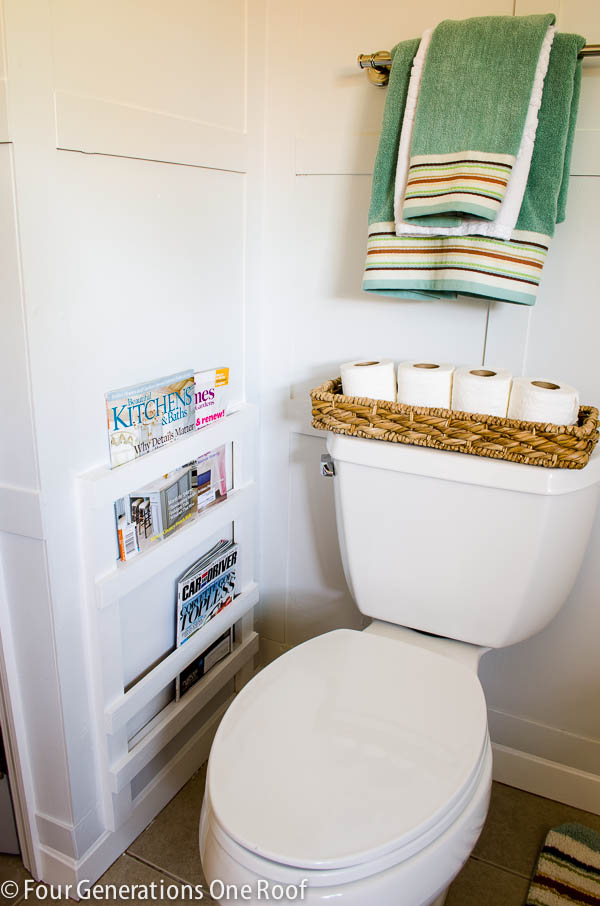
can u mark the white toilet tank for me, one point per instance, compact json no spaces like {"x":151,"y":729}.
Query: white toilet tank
{"x":476,"y":549}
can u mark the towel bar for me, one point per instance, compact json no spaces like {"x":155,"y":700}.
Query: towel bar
{"x":378,"y":64}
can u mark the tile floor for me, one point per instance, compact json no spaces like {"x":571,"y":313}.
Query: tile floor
{"x":497,"y":874}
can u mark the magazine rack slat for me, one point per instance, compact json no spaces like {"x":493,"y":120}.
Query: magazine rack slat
{"x":127,"y":705}
{"x":130,"y":800}
{"x":177,"y":714}
{"x":127,"y":576}
{"x":107,"y":485}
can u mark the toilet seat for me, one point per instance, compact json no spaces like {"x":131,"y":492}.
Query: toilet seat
{"x":350,"y":752}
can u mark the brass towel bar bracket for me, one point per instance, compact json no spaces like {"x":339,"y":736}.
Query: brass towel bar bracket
{"x":378,"y":64}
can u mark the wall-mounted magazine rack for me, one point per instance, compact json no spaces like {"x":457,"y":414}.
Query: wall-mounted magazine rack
{"x":141,"y":771}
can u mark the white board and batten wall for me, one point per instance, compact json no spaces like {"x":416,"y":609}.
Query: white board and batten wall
{"x":135,"y":187}
{"x":130,"y":170}
{"x":322,"y":132}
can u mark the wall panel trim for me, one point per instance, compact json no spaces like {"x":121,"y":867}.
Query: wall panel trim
{"x":98,"y":126}
{"x":20,"y":512}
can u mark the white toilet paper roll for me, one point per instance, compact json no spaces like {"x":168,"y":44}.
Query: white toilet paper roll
{"x":543,"y":401}
{"x":481,"y":390}
{"x":374,"y":379}
{"x":425,"y":384}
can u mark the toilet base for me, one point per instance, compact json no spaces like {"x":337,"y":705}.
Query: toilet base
{"x":441,"y":899}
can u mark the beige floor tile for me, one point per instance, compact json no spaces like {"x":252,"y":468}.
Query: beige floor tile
{"x":514,"y":832}
{"x":480,"y":884}
{"x":170,"y":843}
{"x":121,"y":880}
{"x":129,"y":871}
{"x":517,"y":824}
{"x":12,"y":869}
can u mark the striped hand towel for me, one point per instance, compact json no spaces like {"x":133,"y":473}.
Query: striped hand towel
{"x":478,"y":265}
{"x":473,"y":102}
{"x":568,"y":868}
{"x":467,"y":225}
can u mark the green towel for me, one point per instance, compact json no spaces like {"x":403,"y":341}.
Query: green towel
{"x":545,"y":196}
{"x":473,"y":102}
{"x":384,"y":171}
{"x":441,"y":267}
{"x":381,"y":210}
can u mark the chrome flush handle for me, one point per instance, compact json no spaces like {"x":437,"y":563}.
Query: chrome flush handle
{"x":327,"y":466}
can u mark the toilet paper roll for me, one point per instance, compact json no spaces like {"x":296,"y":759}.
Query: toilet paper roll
{"x":373,"y":378}
{"x":481,"y":390}
{"x":543,"y":401}
{"x":425,"y":384}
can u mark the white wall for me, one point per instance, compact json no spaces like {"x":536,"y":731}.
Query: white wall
{"x":323,"y":120}
{"x":135,"y":169}
{"x":30,"y":678}
{"x":323,"y":123}
{"x":544,"y":692}
{"x":131,"y":192}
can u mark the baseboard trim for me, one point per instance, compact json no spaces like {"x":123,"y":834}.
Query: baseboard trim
{"x":71,"y":841}
{"x":547,"y":778}
{"x":57,"y":868}
{"x":550,"y":743}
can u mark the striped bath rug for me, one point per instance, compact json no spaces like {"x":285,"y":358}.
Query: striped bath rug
{"x":568,"y":868}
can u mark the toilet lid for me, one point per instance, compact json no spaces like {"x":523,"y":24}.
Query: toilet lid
{"x":345,"y":749}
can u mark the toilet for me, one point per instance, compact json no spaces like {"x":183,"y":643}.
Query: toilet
{"x":357,"y":767}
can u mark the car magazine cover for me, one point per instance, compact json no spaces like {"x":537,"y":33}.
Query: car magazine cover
{"x":144,"y":417}
{"x":206,"y":588}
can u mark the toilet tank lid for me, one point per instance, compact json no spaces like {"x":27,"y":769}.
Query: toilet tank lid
{"x":492,"y":473}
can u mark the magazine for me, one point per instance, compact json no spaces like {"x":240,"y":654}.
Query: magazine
{"x":144,"y":417}
{"x":211,"y":395}
{"x":200,"y":666}
{"x":212,"y":477}
{"x":156,"y":510}
{"x":208,"y":586}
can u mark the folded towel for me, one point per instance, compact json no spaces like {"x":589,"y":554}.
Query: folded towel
{"x":505,"y":221}
{"x":473,"y":102}
{"x":381,"y":210}
{"x":441,"y":266}
{"x":384,"y":170}
{"x":545,"y":199}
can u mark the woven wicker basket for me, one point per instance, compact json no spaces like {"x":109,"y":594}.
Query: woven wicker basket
{"x":531,"y":443}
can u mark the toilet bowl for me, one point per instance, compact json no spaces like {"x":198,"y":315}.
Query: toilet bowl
{"x":359,"y":764}
{"x":357,"y":767}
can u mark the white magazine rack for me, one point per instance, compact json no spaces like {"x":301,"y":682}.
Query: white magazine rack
{"x":140,"y":774}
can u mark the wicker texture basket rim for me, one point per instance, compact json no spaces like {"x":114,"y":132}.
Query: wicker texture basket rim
{"x":530,"y":443}
{"x":327,"y":393}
